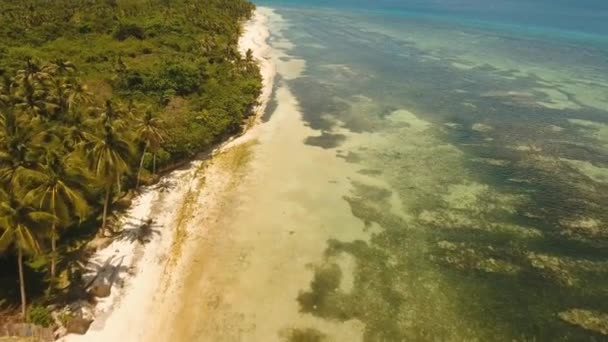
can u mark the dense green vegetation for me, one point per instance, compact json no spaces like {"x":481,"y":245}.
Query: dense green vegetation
{"x":95,"y":98}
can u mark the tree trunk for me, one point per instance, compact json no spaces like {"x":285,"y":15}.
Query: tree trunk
{"x":141,"y":165}
{"x":53,"y":251}
{"x":53,"y":240}
{"x":106,"y":203}
{"x":154,"y":164}
{"x":21,"y":282}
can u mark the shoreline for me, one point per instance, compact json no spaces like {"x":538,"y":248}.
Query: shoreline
{"x":146,"y":277}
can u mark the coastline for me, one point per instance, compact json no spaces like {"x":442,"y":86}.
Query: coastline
{"x":146,"y":277}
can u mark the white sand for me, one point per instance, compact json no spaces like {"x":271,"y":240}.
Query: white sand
{"x":183,"y":203}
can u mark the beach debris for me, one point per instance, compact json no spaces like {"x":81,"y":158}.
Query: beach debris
{"x":77,"y":325}
{"x":75,"y":318}
{"x":125,"y":201}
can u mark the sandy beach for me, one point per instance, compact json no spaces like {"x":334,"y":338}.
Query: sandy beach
{"x":180,"y":206}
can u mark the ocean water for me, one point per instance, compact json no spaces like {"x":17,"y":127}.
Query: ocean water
{"x":428,"y":171}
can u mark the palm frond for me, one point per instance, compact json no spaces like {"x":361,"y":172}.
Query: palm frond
{"x":6,"y":238}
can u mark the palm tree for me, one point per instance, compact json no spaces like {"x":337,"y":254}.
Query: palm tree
{"x":34,"y":73}
{"x":7,"y":91}
{"x":78,"y":94}
{"x":59,"y":97}
{"x":55,"y":189}
{"x":249,"y":59}
{"x":7,"y":106}
{"x":20,"y":147}
{"x":150,"y":133}
{"x":62,"y":67}
{"x":31,"y":97}
{"x":115,"y":116}
{"x":22,"y":227}
{"x":108,"y":156}
{"x":75,"y":130}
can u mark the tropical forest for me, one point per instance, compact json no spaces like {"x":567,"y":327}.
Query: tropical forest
{"x":98,"y":98}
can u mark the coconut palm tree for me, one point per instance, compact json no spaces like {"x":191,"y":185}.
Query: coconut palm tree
{"x":31,"y":97}
{"x":78,"y":94}
{"x":7,"y":91}
{"x":74,"y":133}
{"x":56,"y":189}
{"x":107,"y":154}
{"x":149,"y":131}
{"x":34,"y":73}
{"x":116,"y":116}
{"x":59,"y":97}
{"x":62,"y":67}
{"x":22,"y":228}
{"x":20,"y":147}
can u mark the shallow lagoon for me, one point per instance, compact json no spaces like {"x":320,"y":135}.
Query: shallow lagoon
{"x":418,"y":179}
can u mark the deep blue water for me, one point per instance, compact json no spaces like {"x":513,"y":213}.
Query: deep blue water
{"x":585,"y":16}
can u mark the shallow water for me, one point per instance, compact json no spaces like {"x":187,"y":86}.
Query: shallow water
{"x":418,"y":177}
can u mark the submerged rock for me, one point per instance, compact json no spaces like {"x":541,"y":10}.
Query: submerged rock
{"x":464,"y":257}
{"x":552,"y":267}
{"x":587,"y":319}
{"x":482,"y":128}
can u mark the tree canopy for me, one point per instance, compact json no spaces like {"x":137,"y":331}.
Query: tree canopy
{"x":95,"y":96}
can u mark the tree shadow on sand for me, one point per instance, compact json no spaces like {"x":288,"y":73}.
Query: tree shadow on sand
{"x":142,"y":231}
{"x":100,"y":277}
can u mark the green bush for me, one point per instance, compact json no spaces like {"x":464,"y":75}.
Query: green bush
{"x":180,"y":78}
{"x":40,"y":315}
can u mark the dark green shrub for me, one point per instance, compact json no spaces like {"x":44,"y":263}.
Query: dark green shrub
{"x":124,"y":31}
{"x":183,"y":78}
{"x":85,"y":28}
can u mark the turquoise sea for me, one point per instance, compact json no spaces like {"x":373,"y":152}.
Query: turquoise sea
{"x":504,"y":194}
{"x":445,"y":178}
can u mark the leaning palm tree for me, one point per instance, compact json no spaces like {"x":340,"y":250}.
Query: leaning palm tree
{"x":150,"y":132}
{"x":107,"y":154}
{"x":22,"y":227}
{"x":54,"y":188}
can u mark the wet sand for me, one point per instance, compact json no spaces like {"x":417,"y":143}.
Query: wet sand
{"x":247,"y":270}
